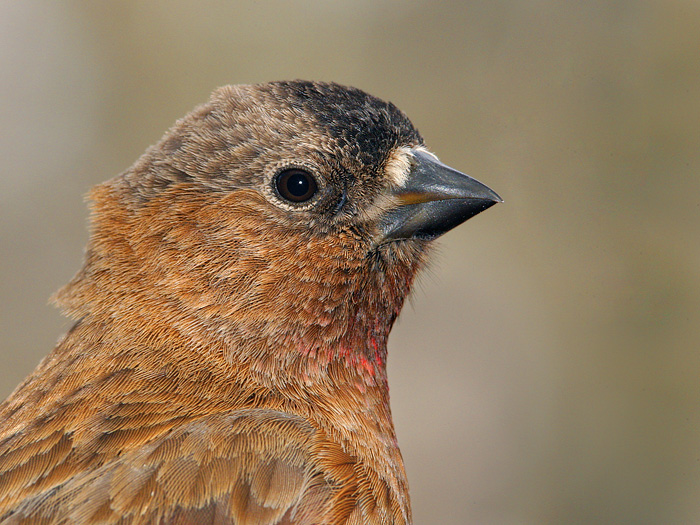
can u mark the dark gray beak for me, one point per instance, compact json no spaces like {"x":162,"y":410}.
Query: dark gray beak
{"x":434,"y":199}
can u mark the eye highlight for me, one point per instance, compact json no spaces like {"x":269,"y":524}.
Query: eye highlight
{"x":295,"y":185}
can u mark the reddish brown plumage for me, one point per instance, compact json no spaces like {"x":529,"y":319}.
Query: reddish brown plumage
{"x":227,"y":364}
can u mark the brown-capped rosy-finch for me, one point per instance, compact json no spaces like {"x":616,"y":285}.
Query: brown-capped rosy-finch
{"x":228,"y":359}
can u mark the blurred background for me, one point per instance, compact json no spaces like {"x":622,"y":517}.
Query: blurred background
{"x":547,"y":370}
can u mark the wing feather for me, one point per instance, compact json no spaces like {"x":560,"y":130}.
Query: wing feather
{"x":248,"y":467}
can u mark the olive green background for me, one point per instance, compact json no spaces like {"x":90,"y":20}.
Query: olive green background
{"x":547,"y":368}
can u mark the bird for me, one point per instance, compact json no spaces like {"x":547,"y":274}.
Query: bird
{"x":227,"y":362}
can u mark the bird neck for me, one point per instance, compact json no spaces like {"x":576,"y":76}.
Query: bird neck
{"x":176,"y":290}
{"x":289,"y":310}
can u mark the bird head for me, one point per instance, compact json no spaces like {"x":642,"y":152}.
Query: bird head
{"x":280,"y":222}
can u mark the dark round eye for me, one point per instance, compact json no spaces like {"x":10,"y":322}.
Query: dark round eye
{"x":296,"y":185}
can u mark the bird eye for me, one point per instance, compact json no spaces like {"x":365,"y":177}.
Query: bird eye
{"x":295,"y":185}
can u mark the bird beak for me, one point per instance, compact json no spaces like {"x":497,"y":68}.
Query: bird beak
{"x":433,"y":200}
